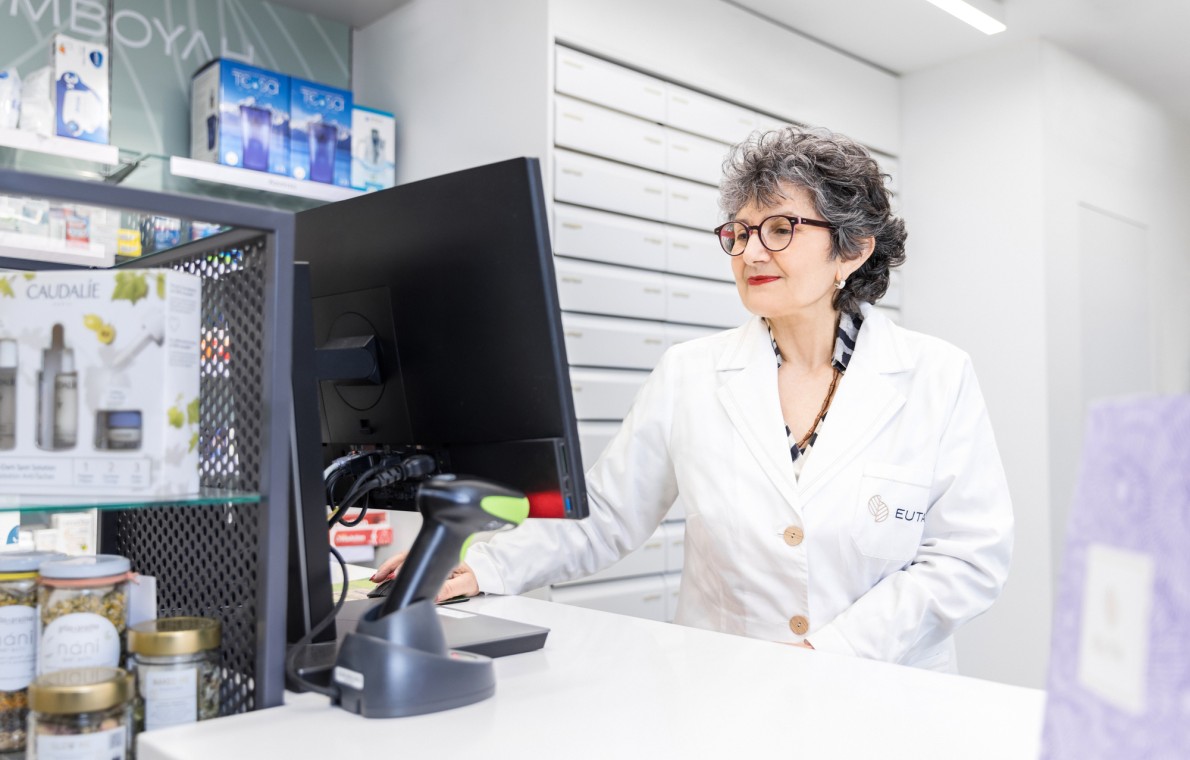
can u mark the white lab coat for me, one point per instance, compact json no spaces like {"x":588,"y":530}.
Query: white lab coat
{"x":903,"y":502}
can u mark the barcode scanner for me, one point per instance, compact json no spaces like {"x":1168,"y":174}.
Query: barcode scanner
{"x":453,"y":509}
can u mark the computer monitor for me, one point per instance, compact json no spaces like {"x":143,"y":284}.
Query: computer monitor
{"x":453,"y":278}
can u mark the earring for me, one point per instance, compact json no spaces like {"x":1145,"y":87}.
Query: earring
{"x":840,"y":284}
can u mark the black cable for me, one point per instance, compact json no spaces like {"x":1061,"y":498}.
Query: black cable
{"x":303,"y":642}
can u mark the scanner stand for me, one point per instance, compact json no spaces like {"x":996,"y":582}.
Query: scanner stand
{"x":398,"y":664}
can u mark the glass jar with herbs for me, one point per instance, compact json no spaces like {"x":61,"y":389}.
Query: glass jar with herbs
{"x":176,"y":665}
{"x":18,"y":640}
{"x":80,"y":712}
{"x":83,"y":612}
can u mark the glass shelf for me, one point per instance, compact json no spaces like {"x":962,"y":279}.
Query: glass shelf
{"x":68,"y":502}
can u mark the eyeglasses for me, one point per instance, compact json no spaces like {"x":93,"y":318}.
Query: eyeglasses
{"x":776,"y":232}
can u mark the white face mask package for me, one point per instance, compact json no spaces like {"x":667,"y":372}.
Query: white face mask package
{"x":105,"y":369}
{"x":10,"y":98}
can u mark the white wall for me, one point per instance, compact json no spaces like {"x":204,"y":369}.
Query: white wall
{"x":973,"y":196}
{"x":468,"y":81}
{"x":732,"y":54}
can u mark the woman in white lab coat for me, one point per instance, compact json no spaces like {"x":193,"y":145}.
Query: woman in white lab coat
{"x":840,"y":480}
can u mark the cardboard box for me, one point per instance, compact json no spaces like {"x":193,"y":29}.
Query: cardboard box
{"x":82,"y":100}
{"x":105,"y":370}
{"x":239,"y":116}
{"x":373,"y":149}
{"x":320,"y":128}
{"x":374,"y":530}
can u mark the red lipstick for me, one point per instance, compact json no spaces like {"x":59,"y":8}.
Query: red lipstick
{"x":761,"y":279}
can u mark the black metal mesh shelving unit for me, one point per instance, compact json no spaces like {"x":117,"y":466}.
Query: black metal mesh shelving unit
{"x":222,"y":560}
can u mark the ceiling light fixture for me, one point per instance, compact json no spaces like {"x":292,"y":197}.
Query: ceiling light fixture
{"x":967,"y":12}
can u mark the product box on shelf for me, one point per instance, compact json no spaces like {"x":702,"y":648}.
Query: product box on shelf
{"x":82,"y":102}
{"x":239,"y":116}
{"x":373,"y":530}
{"x":320,"y":144}
{"x":373,"y":149}
{"x":105,"y":368}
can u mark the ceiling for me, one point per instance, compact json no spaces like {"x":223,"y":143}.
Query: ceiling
{"x":1140,"y":42}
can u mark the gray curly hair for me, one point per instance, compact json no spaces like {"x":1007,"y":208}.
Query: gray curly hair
{"x":848,"y":191}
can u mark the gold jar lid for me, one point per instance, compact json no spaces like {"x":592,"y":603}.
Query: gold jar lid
{"x":172,"y":636}
{"x":80,"y":690}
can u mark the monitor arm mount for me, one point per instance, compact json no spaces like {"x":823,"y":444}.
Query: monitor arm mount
{"x":396,"y":662}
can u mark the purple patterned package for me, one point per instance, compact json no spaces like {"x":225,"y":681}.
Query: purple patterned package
{"x":1119,"y":676}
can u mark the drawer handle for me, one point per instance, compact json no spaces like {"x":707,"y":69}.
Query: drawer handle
{"x":573,"y":334}
{"x":653,"y":290}
{"x":652,"y":90}
{"x":650,"y":597}
{"x":682,"y":148}
{"x":576,"y":388}
{"x":572,"y":226}
{"x":652,"y":341}
{"x":574,"y":116}
{"x":572,"y":64}
{"x":681,"y":196}
{"x":653,"y":190}
{"x":653,"y":240}
{"x":679,"y":99}
{"x":575,"y":280}
{"x":682,"y":246}
{"x":653,"y":545}
{"x":744,"y":121}
{"x":679,"y":294}
{"x":574,"y":172}
{"x":653,"y":140}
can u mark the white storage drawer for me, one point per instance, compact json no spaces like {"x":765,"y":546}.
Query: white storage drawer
{"x":700,"y":302}
{"x":697,"y":254}
{"x":638,"y":597}
{"x":675,"y":334}
{"x":691,"y":204}
{"x":611,"y":342}
{"x":707,"y":116}
{"x":600,"y":236}
{"x":593,"y":438}
{"x":610,"y":85}
{"x":604,"y":394}
{"x":674,"y":536}
{"x":892,"y":297}
{"x":613,"y":187}
{"x":693,"y":157}
{"x":597,"y":130}
{"x":649,"y":559}
{"x":605,"y":289}
{"x":673,"y":586}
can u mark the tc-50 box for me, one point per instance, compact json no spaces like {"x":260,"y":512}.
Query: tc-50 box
{"x":81,"y":102}
{"x":239,"y":116}
{"x":99,"y":382}
{"x":320,"y":148}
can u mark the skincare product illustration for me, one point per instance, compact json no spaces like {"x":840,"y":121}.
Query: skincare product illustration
{"x":8,"y":393}
{"x":118,"y":430}
{"x":57,"y":395}
{"x":152,"y":332}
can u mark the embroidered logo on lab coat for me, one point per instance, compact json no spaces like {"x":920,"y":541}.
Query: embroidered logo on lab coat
{"x":877,"y":508}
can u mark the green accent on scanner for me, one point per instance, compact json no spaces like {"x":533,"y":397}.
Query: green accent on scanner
{"x":512,"y":509}
{"x":466,"y":546}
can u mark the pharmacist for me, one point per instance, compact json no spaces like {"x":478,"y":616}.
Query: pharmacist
{"x":840,"y":479}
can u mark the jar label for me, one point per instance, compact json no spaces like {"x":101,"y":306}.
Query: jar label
{"x":79,"y":640}
{"x":18,"y":646}
{"x":111,"y":744}
{"x":171,"y":696}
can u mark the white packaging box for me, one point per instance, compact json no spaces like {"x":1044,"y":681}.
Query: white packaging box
{"x":107,"y":382}
{"x":373,"y":149}
{"x":82,"y":100}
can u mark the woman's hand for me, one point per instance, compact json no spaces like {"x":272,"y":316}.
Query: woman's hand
{"x":462,"y":581}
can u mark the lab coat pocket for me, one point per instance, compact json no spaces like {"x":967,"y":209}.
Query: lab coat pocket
{"x":890,"y":511}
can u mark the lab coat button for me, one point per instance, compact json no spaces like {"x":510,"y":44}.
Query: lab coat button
{"x":794,"y":535}
{"x":799,"y":625}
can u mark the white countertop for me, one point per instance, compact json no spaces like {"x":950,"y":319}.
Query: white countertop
{"x":610,"y":686}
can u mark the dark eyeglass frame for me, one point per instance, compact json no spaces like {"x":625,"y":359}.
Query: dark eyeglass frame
{"x":794,"y":221}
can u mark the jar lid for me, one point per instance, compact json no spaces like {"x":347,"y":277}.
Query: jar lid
{"x":92,"y":566}
{"x":176,"y":635}
{"x":79,"y":690}
{"x":26,"y":561}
